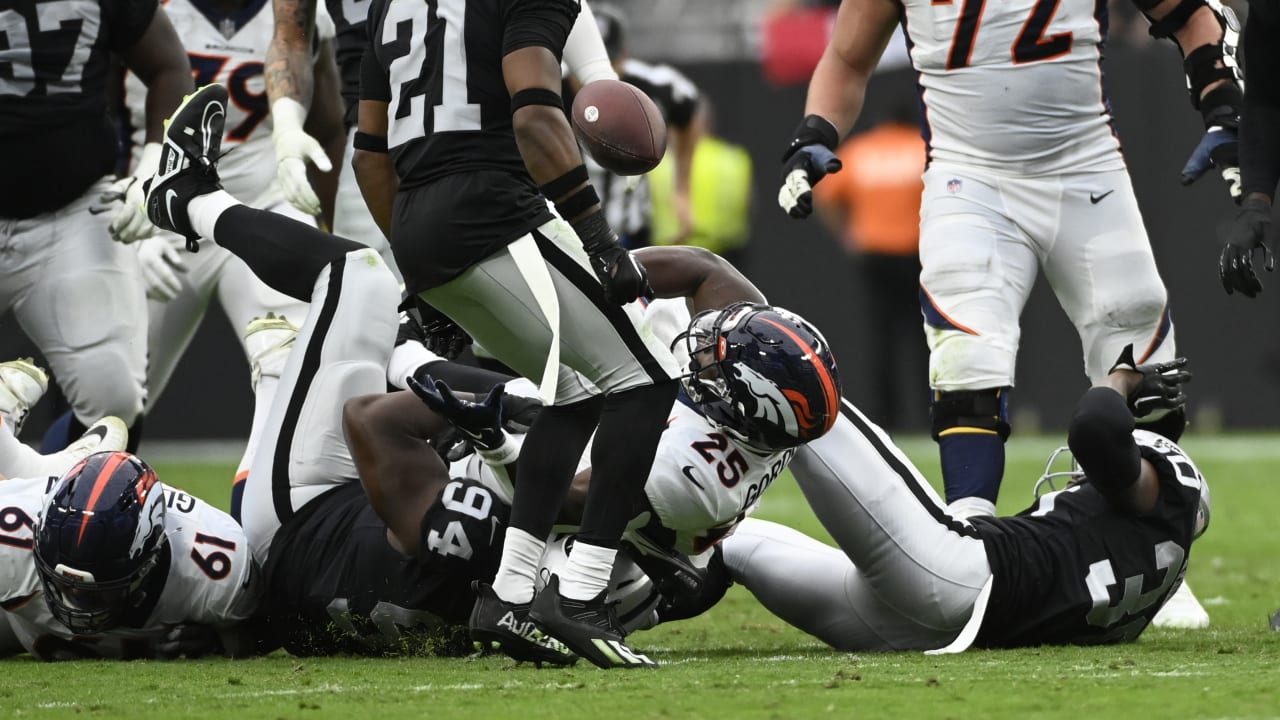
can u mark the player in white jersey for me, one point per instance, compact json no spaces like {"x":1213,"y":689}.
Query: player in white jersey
{"x":107,"y":561}
{"x":1025,"y":172}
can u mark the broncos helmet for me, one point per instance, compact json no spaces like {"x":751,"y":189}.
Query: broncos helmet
{"x":763,"y":374}
{"x":100,"y":536}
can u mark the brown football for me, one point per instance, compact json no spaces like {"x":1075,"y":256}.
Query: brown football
{"x":620,"y":126}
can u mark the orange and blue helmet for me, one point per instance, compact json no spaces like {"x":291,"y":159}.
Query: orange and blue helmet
{"x":99,"y":537}
{"x":763,"y":374}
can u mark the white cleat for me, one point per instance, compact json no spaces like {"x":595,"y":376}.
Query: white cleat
{"x":268,"y":341}
{"x":108,"y":434}
{"x":1183,"y":611}
{"x":22,"y":384}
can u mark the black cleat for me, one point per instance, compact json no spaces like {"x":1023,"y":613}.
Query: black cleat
{"x":188,"y":160}
{"x":499,"y":625}
{"x":590,"y":628}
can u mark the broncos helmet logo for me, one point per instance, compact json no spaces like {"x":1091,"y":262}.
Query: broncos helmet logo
{"x":772,"y":403}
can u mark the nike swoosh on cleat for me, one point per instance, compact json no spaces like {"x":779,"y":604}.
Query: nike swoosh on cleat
{"x":169,"y":197}
{"x":1095,"y":199}
{"x":99,"y":210}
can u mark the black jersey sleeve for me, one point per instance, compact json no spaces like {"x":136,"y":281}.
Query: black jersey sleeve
{"x":374,"y":83}
{"x":130,"y":20}
{"x":463,"y":530}
{"x":538,"y":23}
{"x":1260,"y":121}
{"x":1101,"y":439}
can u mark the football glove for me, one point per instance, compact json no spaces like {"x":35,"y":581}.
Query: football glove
{"x":481,"y":422}
{"x":809,"y":158}
{"x":1242,"y":236}
{"x":442,"y":335}
{"x":1161,"y":385}
{"x":126,"y":197}
{"x":1218,"y":149}
{"x":294,"y":148}
{"x":160,"y":264}
{"x":623,"y":278}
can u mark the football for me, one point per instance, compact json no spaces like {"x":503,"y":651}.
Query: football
{"x":620,"y":126}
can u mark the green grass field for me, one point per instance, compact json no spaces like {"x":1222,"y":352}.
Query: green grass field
{"x":739,"y":662}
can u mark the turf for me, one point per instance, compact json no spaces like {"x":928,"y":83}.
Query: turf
{"x":738,"y":661}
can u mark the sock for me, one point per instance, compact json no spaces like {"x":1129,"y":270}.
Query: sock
{"x":967,"y":507}
{"x":284,"y":253}
{"x":521,"y":555}
{"x":630,"y":426}
{"x":547,"y":463}
{"x":587,"y":573}
{"x":204,"y":211}
{"x":972,"y":465}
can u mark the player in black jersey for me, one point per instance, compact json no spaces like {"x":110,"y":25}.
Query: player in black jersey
{"x":74,"y":292}
{"x":1259,"y":152}
{"x":462,"y":142}
{"x":1092,"y":563}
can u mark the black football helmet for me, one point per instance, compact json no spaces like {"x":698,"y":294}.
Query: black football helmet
{"x":99,"y":537}
{"x":763,"y":374}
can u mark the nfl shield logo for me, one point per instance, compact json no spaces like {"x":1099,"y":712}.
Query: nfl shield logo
{"x":228,"y":28}
{"x":953,"y":186}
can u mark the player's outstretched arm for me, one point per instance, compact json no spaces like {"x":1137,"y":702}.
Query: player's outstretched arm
{"x":400,"y":471}
{"x":288,"y":70}
{"x":707,"y":279}
{"x":324,"y":123}
{"x":375,"y":171}
{"x":836,"y":94}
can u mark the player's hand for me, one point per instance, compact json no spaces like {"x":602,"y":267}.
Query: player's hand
{"x":1219,"y":149}
{"x":1242,"y":236}
{"x":124,"y":199}
{"x":481,"y":422}
{"x":294,"y":149}
{"x":188,"y":641}
{"x":161,"y":265}
{"x":1160,"y":387}
{"x":519,"y":412}
{"x":442,"y":335}
{"x":809,"y":158}
{"x":624,"y":279}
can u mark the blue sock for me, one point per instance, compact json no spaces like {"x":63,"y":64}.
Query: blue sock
{"x":972,"y":465}
{"x":58,"y":436}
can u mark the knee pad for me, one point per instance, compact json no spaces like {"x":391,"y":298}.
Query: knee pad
{"x":969,"y":410}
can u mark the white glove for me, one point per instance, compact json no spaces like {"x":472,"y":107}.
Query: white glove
{"x":294,"y":147}
{"x":129,"y":223}
{"x":160,"y":263}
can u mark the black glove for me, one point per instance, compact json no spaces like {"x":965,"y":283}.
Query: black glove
{"x":442,"y":335}
{"x":682,"y":598}
{"x":481,"y":422}
{"x":623,"y":278}
{"x":809,"y":158}
{"x":1242,"y":236}
{"x":1161,"y":386}
{"x":519,"y":412}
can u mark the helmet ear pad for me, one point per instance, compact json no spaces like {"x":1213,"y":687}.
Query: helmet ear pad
{"x":765,"y":375}
{"x":99,"y":539}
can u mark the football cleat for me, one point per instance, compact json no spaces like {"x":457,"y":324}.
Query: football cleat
{"x":108,"y":434}
{"x":589,"y":628}
{"x":499,"y":625}
{"x":22,"y":384}
{"x":268,"y":341}
{"x":188,"y":161}
{"x":1182,"y":611}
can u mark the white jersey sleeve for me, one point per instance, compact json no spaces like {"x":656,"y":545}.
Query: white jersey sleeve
{"x":1014,"y":86}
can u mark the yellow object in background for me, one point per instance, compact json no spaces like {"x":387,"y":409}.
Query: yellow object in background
{"x":720,"y":193}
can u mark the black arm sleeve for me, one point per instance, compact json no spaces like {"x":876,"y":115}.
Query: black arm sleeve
{"x":1260,"y":124}
{"x":538,"y":23}
{"x":130,"y":21}
{"x":1101,"y":439}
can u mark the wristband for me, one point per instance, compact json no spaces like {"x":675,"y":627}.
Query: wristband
{"x":504,"y":454}
{"x":565,"y":184}
{"x":813,"y":129}
{"x":595,"y":233}
{"x":369,"y":143}
{"x":578,"y":203}
{"x":536,"y":96}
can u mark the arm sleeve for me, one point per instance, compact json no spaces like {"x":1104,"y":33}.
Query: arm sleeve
{"x":374,"y":83}
{"x":1260,"y":122}
{"x":538,"y":23}
{"x":131,"y":20}
{"x":1101,"y":439}
{"x":584,"y":51}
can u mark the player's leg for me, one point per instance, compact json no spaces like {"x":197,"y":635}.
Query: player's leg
{"x":86,"y":311}
{"x":816,"y":588}
{"x":891,"y":524}
{"x":172,"y":325}
{"x":978,"y":268}
{"x":1104,"y":273}
{"x":341,"y":350}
